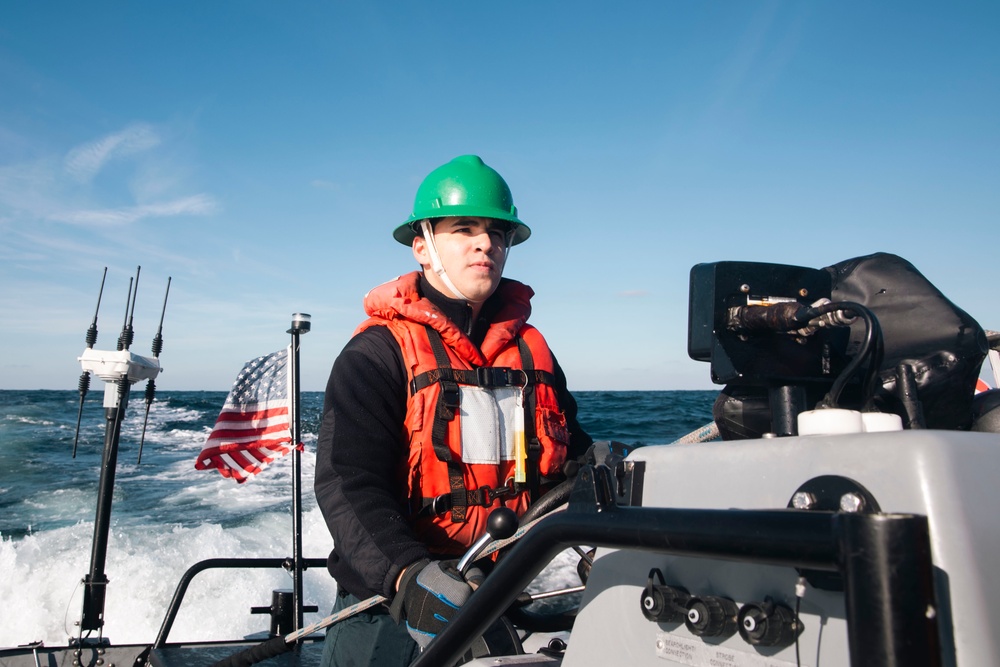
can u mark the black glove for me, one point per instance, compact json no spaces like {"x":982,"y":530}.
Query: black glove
{"x":430,"y":594}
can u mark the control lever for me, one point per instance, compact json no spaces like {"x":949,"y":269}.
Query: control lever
{"x":501,"y":524}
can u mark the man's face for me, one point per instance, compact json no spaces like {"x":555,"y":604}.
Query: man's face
{"x":472,"y":253}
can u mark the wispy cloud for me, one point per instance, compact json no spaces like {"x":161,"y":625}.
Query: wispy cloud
{"x":59,"y":189}
{"x":200,"y":204}
{"x":83,"y":162}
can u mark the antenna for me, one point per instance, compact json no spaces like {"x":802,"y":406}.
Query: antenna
{"x":125,"y":340}
{"x":119,"y":370}
{"x":124,"y":335}
{"x":150,"y":385}
{"x":84,"y":385}
{"x":92,"y":331}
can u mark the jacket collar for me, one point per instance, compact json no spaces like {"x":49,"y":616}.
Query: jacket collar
{"x":501,"y":318}
{"x":456,"y":310}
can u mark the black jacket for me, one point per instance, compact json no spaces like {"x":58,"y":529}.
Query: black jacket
{"x":361,"y":443}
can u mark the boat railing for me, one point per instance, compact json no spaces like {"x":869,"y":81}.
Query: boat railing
{"x":223,"y":563}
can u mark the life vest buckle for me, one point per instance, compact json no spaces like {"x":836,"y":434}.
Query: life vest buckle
{"x":450,"y":395}
{"x":440,"y":504}
{"x":489,"y":377}
{"x":506,"y":491}
{"x":484,"y":496}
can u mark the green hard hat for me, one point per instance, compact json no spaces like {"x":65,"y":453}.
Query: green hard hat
{"x":466,"y":186}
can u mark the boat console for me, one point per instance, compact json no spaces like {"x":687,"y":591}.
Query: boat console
{"x":846,"y":518}
{"x":921,"y":504}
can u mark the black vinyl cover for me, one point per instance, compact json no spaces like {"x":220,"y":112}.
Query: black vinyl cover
{"x":921,"y":328}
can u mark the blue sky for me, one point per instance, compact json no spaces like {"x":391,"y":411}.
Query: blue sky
{"x":260,"y":153}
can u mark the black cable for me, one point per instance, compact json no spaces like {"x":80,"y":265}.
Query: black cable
{"x":800,"y":591}
{"x":255,"y":654}
{"x":549,"y":501}
{"x":798,"y":659}
{"x":872,"y":378}
{"x":871,"y":351}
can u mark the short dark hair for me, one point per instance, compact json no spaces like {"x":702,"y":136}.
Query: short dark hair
{"x":505,"y":225}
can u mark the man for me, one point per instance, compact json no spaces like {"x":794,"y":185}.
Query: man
{"x":443,"y":405}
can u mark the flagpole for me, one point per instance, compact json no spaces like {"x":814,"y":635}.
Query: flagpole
{"x":300,"y":325}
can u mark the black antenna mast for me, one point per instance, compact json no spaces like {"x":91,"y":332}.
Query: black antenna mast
{"x":84,"y":384}
{"x":150,"y":385}
{"x":125,"y":339}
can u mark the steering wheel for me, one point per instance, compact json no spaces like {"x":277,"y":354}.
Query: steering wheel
{"x":520,"y":613}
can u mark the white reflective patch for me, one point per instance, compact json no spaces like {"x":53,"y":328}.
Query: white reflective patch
{"x":488,"y":422}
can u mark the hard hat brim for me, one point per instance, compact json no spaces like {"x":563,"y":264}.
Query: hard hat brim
{"x":405,"y":233}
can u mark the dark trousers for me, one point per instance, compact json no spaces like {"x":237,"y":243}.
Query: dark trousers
{"x":368,"y":639}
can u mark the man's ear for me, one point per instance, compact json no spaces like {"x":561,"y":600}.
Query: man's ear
{"x":420,"y":251}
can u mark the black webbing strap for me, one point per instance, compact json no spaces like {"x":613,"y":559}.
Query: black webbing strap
{"x":444,"y":413}
{"x":484,"y":496}
{"x":534,"y":447}
{"x":487,"y":377}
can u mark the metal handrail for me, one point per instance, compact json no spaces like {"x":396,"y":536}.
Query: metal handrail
{"x":222,"y":563}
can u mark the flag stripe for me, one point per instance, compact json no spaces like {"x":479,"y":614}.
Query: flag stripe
{"x":254,"y":426}
{"x":241,"y":415}
{"x":249,"y":429}
{"x":249,"y":439}
{"x":264,"y":446}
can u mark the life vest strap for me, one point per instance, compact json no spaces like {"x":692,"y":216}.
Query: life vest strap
{"x":444,"y":412}
{"x":484,"y":496}
{"x":534,"y":447}
{"x":487,"y":377}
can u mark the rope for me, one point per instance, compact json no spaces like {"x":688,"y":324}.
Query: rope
{"x":336,"y":618}
{"x":497,"y":545}
{"x":279,"y":645}
{"x":707,"y":432}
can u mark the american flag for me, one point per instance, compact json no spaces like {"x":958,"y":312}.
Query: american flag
{"x":253,"y":428}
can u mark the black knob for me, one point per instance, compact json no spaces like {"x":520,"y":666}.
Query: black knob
{"x":711,"y":616}
{"x":502,"y":523}
{"x":662,"y":603}
{"x":652,"y":603}
{"x":767,"y":624}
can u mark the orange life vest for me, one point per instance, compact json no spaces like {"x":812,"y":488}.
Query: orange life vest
{"x":452,"y":485}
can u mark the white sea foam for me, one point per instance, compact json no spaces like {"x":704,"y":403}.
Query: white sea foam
{"x":144,"y":564}
{"x":30,"y":421}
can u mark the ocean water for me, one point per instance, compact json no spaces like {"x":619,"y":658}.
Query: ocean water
{"x":167,"y":515}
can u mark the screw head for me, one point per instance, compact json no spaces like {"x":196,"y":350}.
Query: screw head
{"x":803,"y":500}
{"x":852,"y":503}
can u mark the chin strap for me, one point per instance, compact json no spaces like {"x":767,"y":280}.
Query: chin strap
{"x":438,"y":267}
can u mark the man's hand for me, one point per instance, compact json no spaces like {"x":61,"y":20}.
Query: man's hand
{"x":430,"y":593}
